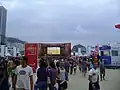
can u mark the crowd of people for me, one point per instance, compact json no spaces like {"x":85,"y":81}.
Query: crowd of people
{"x":53,"y":73}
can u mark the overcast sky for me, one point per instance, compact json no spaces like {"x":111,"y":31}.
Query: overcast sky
{"x":76,"y":21}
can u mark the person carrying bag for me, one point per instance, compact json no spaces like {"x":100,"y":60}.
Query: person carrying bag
{"x":63,"y":79}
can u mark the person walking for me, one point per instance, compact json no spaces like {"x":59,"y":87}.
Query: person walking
{"x":102,"y":70}
{"x":63,"y":78}
{"x":84,"y":67}
{"x":71,"y":67}
{"x":91,"y":63}
{"x":67,"y":66}
{"x":23,"y":74}
{"x":80,"y":66}
{"x":11,"y":71}
{"x":42,"y":75}
{"x":4,"y":83}
{"x":75,"y":67}
{"x":93,"y":78}
{"x":53,"y":74}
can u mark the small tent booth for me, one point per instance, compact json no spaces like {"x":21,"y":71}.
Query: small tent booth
{"x":8,"y":55}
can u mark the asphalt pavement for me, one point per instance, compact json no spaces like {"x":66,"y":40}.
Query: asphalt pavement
{"x":112,"y":82}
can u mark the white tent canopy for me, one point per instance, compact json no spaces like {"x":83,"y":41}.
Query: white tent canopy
{"x":8,"y":54}
{"x":85,"y":55}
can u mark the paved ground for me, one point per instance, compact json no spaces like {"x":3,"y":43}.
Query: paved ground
{"x":112,"y":82}
{"x":78,"y":82}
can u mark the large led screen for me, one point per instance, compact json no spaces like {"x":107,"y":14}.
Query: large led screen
{"x":53,"y":50}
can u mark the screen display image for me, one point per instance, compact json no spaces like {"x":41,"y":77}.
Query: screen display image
{"x":53,"y":50}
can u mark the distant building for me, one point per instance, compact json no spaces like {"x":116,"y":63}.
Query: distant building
{"x":16,"y":44}
{"x":90,"y":49}
{"x":79,"y":49}
{"x":3,"y":19}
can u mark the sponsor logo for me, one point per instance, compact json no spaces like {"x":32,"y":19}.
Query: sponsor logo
{"x":31,"y":50}
{"x":22,"y":72}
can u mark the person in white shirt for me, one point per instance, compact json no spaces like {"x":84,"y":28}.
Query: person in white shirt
{"x":24,"y":74}
{"x":94,"y":78}
{"x":63,"y":78}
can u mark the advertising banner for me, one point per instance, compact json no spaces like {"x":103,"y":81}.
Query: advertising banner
{"x":31,"y":52}
{"x":68,"y":48}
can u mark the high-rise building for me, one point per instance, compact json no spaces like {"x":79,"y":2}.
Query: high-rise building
{"x":3,"y":19}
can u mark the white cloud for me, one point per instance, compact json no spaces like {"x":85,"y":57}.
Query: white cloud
{"x":81,"y":30}
{"x":11,"y":4}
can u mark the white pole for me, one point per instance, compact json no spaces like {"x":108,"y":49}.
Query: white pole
{"x":14,"y":51}
{"x":6,"y":51}
{"x":79,"y":51}
{"x":2,"y":50}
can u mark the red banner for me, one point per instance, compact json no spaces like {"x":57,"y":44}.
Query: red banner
{"x":68,"y":48}
{"x":31,"y":52}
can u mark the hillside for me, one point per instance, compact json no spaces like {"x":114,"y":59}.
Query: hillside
{"x":14,"y":40}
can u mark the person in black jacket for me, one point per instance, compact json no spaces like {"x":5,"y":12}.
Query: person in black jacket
{"x":4,"y":84}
